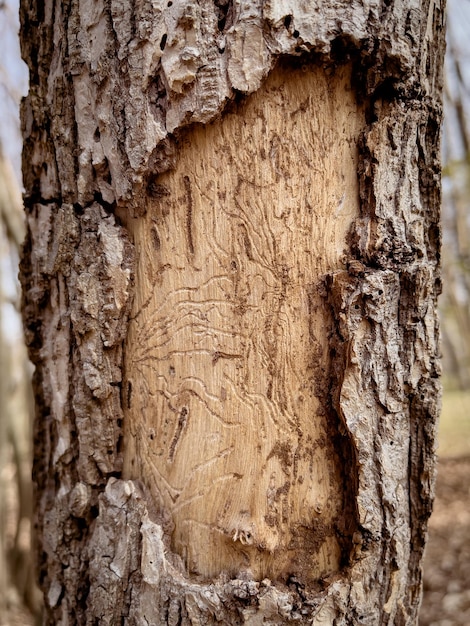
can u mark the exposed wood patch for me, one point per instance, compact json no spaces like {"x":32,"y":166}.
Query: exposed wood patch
{"x":227,"y":353}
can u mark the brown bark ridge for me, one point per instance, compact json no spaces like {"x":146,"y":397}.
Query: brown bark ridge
{"x":118,"y":93}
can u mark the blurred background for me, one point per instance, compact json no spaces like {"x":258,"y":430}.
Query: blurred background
{"x":446,"y":600}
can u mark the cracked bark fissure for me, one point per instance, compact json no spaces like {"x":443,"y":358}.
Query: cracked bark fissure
{"x":126,"y":101}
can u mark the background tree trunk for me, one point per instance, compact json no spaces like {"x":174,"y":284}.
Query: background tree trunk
{"x":230,"y":279}
{"x":17,"y":571}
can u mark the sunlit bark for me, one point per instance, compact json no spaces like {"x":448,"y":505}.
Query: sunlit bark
{"x":230,"y":282}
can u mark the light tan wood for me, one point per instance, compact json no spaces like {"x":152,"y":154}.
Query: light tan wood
{"x":227,"y":358}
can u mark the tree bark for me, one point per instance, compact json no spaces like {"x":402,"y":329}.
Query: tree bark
{"x":230,"y":280}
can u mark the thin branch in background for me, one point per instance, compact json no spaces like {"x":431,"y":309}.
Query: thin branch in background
{"x":455,"y":302}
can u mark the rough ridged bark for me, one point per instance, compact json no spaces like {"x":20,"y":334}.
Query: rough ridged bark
{"x":112,"y":87}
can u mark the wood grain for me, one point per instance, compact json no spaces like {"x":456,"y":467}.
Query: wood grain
{"x":227,"y":354}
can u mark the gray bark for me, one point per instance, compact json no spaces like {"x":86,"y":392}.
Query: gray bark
{"x":112,"y":85}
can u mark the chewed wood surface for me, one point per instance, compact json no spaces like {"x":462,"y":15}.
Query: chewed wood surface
{"x":227,"y":356}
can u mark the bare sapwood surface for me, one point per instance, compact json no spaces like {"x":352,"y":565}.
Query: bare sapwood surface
{"x":228,"y":339}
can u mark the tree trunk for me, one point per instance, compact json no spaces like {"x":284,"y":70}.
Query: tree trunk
{"x":230,"y":281}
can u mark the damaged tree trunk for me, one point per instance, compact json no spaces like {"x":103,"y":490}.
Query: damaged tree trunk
{"x":230,"y":281}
